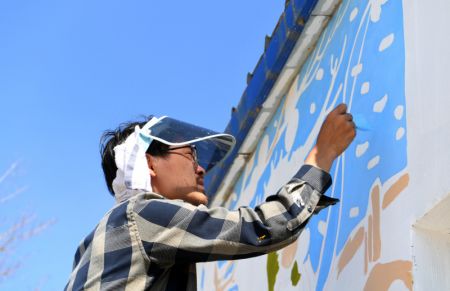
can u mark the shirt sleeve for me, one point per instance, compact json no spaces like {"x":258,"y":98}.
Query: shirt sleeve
{"x":173,"y":231}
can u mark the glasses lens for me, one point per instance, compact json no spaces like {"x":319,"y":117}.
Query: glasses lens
{"x":194,"y":155}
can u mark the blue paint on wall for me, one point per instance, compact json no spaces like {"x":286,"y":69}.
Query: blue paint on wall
{"x":382,"y":74}
{"x":362,"y":65}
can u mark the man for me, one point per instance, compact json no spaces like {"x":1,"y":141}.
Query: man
{"x":161,"y":225}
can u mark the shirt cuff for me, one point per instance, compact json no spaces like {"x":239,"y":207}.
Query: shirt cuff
{"x":324,"y":202}
{"x":315,"y":177}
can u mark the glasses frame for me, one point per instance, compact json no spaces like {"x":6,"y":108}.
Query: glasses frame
{"x":192,"y":154}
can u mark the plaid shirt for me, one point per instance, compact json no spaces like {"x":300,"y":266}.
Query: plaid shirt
{"x":152,"y":243}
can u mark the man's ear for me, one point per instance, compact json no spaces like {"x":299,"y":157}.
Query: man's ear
{"x":151,"y":162}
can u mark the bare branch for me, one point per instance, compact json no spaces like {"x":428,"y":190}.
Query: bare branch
{"x":37,"y":229}
{"x":13,"y":194}
{"x":9,"y":171}
{"x":24,"y":228}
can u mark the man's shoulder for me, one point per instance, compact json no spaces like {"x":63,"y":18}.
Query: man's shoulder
{"x":158,"y":209}
{"x":124,"y":206}
{"x":151,"y":197}
{"x":143,"y":199}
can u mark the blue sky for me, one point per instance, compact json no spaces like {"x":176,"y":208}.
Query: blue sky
{"x":71,"y":69}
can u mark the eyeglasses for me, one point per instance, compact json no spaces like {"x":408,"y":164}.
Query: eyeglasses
{"x":193,"y":154}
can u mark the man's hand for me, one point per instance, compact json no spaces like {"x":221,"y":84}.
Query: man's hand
{"x":337,"y":132}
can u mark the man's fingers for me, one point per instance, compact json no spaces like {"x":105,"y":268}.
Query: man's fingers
{"x":341,"y":108}
{"x":348,"y":117}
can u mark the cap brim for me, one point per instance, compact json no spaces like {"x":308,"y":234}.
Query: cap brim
{"x":212,"y":147}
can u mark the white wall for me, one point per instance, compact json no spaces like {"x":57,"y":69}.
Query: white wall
{"x":387,"y":181}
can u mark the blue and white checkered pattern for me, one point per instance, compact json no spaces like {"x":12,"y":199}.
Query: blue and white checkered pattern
{"x":152,"y":243}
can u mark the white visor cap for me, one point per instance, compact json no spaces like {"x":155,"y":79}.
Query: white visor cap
{"x":212,"y":147}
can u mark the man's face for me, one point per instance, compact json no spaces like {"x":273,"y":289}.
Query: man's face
{"x":177,"y":175}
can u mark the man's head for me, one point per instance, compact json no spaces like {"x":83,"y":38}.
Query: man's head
{"x":177,"y":175}
{"x":174,"y":171}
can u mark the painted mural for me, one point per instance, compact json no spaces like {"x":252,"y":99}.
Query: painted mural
{"x":360,"y":60}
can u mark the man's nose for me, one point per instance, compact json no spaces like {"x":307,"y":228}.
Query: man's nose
{"x":200,"y":170}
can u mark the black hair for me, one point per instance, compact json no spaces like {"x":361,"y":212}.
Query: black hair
{"x":111,"y":138}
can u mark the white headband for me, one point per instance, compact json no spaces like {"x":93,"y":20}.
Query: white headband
{"x":133,"y":175}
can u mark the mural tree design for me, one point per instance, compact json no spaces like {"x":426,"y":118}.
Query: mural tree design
{"x":359,"y":60}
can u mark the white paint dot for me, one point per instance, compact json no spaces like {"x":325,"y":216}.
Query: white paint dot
{"x":373,"y":162}
{"x":386,"y":42}
{"x":353,"y":14}
{"x":398,"y":112}
{"x":354,"y":212}
{"x":400,"y":133}
{"x":322,"y":227}
{"x":375,"y":9}
{"x":312,"y":108}
{"x":365,"y":88}
{"x":319,"y":74}
{"x":357,"y":70}
{"x":361,"y":149}
{"x":380,"y":104}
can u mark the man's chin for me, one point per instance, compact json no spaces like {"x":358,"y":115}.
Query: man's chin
{"x":197,"y":197}
{"x":203,"y":199}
